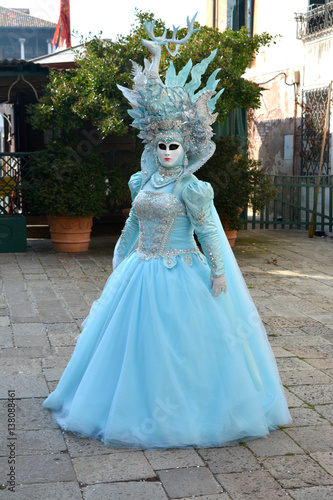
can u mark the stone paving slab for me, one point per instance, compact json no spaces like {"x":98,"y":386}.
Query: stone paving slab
{"x":63,"y":340}
{"x":26,"y":339}
{"x":82,"y":447}
{"x":322,"y":364}
{"x":258,"y":485}
{"x":47,"y":491}
{"x":115,"y":467}
{"x":326,"y":411}
{"x":287,"y":364}
{"x":54,"y":374}
{"x":313,"y":438}
{"x":36,"y":442}
{"x":44,"y":296}
{"x":297,"y":471}
{"x":220,"y":496}
{"x":6,"y":339}
{"x":290,"y":341}
{"x":173,"y":459}
{"x":229,"y":459}
{"x":313,"y":377}
{"x":280,"y":352}
{"x":325,"y":459}
{"x":22,"y":375}
{"x":34,"y":352}
{"x":307,"y":352}
{"x":180,"y":483}
{"x":306,"y":416}
{"x":53,"y":311}
{"x":125,"y":491}
{"x":42,"y":468}
{"x":276,"y":443}
{"x":292,"y":400}
{"x":316,"y":395}
{"x":314,"y":493}
{"x":30,"y":414}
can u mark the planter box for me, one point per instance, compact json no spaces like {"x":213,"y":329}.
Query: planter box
{"x":13,"y":233}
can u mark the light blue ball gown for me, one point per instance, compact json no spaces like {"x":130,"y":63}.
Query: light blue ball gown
{"x":161,"y":363}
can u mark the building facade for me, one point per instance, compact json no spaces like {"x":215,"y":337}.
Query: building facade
{"x":234,"y":14}
{"x":23,"y":36}
{"x":287,"y":132}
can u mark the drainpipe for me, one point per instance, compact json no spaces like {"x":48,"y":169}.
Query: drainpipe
{"x":296,"y":83}
{"x":294,"y":135}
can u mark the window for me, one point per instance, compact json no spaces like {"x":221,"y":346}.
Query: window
{"x":240,"y":13}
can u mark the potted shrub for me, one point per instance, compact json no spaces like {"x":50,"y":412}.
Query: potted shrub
{"x":70,"y":190}
{"x":237,"y":181}
{"x":127,"y":163}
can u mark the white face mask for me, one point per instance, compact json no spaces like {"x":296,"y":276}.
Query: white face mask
{"x":169,"y":153}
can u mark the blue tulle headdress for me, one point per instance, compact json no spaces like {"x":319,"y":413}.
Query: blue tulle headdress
{"x":173,"y":108}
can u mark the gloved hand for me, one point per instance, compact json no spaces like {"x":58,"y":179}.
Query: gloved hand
{"x":218,"y":284}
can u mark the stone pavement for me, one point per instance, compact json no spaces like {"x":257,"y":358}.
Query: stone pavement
{"x":44,"y":297}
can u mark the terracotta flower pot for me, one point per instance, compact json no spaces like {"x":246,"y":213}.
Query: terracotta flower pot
{"x":231,"y":234}
{"x":70,"y":234}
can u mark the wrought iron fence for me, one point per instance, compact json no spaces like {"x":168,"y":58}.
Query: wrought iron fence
{"x":13,"y":168}
{"x":292,"y":207}
{"x":295,"y":203}
{"x":313,"y":121}
{"x":315,"y":23}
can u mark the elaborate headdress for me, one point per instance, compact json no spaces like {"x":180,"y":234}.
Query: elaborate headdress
{"x":173,"y":109}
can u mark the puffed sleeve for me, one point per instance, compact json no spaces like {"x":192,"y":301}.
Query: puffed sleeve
{"x":130,"y":233}
{"x":135,"y":184}
{"x":197,"y":197}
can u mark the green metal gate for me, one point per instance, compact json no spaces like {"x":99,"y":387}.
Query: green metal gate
{"x":13,"y":168}
{"x":13,"y":234}
{"x":295,"y":203}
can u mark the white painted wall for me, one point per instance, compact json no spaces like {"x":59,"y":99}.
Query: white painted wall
{"x":275,"y":116}
{"x":312,"y":58}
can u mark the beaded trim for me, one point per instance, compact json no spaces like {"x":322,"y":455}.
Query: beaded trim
{"x":166,"y":176}
{"x":212,"y":258}
{"x":172,"y":252}
{"x":200,"y":218}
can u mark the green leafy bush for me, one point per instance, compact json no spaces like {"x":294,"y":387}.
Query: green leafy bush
{"x":237,"y":181}
{"x":89,"y":93}
{"x":60,"y":182}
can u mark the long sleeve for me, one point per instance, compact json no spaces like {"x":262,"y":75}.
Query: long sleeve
{"x":130,"y":233}
{"x":197,"y":197}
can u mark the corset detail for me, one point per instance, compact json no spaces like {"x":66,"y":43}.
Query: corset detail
{"x":159,"y":214}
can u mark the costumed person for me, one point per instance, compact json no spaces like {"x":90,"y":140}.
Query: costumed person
{"x":174,"y":353}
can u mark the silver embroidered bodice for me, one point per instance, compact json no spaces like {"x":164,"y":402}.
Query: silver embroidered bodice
{"x":162,"y":223}
{"x":164,"y":228}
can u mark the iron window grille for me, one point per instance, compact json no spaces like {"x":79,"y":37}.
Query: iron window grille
{"x":314,"y":104}
{"x":316,"y":22}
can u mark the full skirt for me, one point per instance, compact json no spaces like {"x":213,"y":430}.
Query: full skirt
{"x":161,"y":363}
